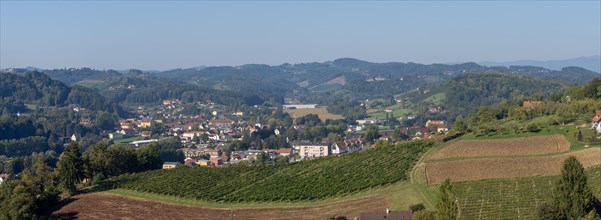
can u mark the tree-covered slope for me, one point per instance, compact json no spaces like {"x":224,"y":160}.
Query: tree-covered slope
{"x":39,"y":89}
{"x":466,"y":92}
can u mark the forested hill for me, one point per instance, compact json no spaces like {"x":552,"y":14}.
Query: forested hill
{"x":342,"y":80}
{"x":137,"y":87}
{"x":39,"y":89}
{"x":466,"y":92}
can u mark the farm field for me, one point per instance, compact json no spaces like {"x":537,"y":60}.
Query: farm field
{"x":322,"y":112}
{"x":534,"y":145}
{"x":309,"y":180}
{"x":111,"y":206}
{"x":491,"y":168}
{"x":514,"y":198}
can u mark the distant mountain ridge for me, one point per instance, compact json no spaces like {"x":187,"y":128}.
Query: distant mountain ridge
{"x":349,"y":78}
{"x":592,"y":63}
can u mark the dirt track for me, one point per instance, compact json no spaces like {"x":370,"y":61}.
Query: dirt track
{"x":491,"y":168}
{"x":504,"y":147}
{"x":111,"y":206}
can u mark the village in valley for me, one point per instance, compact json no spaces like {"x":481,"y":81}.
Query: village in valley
{"x":212,"y":138}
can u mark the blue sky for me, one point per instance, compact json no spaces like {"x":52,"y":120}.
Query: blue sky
{"x":165,"y":35}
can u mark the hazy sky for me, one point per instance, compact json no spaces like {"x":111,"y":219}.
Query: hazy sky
{"x":165,"y":35}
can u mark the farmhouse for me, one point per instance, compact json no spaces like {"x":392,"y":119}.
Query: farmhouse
{"x":171,"y":165}
{"x":442,"y":128}
{"x":596,"y":121}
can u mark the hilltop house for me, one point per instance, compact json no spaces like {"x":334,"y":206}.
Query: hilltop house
{"x":596,"y":121}
{"x":442,"y":128}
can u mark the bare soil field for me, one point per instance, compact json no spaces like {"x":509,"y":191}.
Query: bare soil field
{"x":111,"y":206}
{"x":535,"y":145}
{"x":320,"y":111}
{"x":492,"y":168}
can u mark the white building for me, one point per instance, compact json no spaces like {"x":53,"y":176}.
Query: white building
{"x":312,"y":150}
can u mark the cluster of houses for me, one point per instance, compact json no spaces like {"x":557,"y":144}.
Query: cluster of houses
{"x":215,"y":157}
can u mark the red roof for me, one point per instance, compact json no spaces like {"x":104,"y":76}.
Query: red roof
{"x":598,"y":113}
{"x":596,"y":119}
{"x":283,"y":151}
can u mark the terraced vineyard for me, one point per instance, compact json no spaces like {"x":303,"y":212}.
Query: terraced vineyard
{"x":515,"y":198}
{"x":307,"y":180}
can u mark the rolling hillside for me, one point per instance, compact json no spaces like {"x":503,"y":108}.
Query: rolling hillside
{"x":306,"y":180}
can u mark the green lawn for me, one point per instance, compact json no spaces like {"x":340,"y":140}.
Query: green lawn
{"x":397,"y":111}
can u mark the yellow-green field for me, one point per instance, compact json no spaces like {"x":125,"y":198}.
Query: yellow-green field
{"x":322,"y":112}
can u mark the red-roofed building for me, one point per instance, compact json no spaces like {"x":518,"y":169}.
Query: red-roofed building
{"x":596,"y":121}
{"x":283,"y":151}
{"x":434,"y":122}
{"x":442,"y":128}
{"x":216,"y":161}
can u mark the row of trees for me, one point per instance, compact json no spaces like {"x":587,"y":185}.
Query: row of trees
{"x":31,"y":192}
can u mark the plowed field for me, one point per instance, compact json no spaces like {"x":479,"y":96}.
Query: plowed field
{"x":504,"y":147}
{"x":110,"y":206}
{"x":491,"y":168}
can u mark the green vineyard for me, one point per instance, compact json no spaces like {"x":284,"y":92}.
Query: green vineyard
{"x":515,"y":198}
{"x":306,"y":180}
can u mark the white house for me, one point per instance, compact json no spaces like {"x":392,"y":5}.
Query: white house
{"x":347,"y":146}
{"x":115,"y":136}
